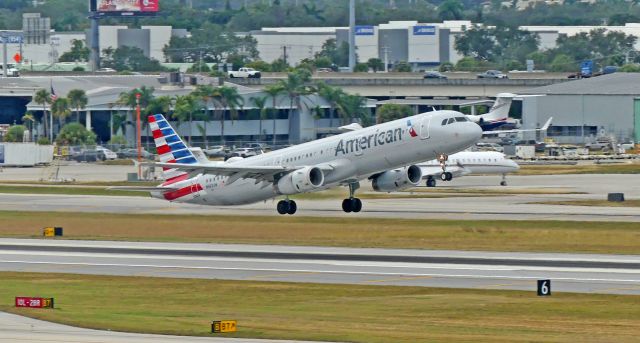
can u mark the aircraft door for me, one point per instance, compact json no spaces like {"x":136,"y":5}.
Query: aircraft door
{"x":424,"y":127}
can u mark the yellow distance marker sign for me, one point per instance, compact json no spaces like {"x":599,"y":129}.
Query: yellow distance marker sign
{"x":223,"y":326}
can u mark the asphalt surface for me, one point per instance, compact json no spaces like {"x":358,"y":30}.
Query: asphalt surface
{"x":507,"y":207}
{"x":18,"y":329}
{"x":582,"y":273}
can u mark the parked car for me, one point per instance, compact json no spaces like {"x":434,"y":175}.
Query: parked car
{"x":324,"y":70}
{"x":243,"y":152}
{"x":244,"y":73}
{"x":106,"y":153}
{"x":258,"y":146}
{"x":133,"y":153}
{"x":434,"y":75}
{"x":492,"y":74}
{"x":214,"y":151}
{"x":90,"y":155}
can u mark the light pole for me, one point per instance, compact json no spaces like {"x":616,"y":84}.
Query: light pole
{"x":138,"y":134}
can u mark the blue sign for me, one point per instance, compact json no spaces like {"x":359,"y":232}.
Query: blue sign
{"x":586,"y":68}
{"x":365,"y":30}
{"x":11,"y":39}
{"x":424,"y":30}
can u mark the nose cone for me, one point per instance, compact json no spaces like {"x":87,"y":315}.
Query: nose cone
{"x":514,"y":165}
{"x":472,"y":133}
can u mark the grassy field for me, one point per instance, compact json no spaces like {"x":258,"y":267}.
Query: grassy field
{"x":542,"y":236}
{"x":351,"y":313}
{"x":621,"y":168}
{"x":67,"y":190}
{"x":627,"y":203}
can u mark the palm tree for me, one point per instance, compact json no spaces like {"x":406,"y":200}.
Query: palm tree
{"x":207,"y":95}
{"x":28,"y":120}
{"x":295,"y":88}
{"x":77,"y":99}
{"x":129,"y":100}
{"x":260,"y":103}
{"x":273,"y":91}
{"x":230,"y":100}
{"x":351,"y":107}
{"x":60,"y":109}
{"x":43,"y":97}
{"x":332,"y":95}
{"x":183,"y":111}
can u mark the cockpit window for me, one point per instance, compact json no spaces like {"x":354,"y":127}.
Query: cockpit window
{"x":444,"y":122}
{"x":461,"y":119}
{"x":451,"y":120}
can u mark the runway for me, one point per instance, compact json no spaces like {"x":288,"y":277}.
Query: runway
{"x":582,"y":273}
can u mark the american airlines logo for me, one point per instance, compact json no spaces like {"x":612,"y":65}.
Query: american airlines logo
{"x":424,"y":30}
{"x":362,"y":143}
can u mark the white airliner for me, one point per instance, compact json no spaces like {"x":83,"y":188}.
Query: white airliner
{"x":386,"y":154}
{"x":466,"y":163}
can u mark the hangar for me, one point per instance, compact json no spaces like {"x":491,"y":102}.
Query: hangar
{"x":607,"y":105}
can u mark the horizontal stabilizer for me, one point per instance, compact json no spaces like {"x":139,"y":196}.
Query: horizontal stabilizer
{"x":543,"y":128}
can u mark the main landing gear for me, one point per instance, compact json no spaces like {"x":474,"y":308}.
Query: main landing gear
{"x":352,"y":204}
{"x":431,"y":182}
{"x":287,"y":206}
{"x":445,"y":175}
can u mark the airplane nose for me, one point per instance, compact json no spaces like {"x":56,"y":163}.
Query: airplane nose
{"x":514,"y":165}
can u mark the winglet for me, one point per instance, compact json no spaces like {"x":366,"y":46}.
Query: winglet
{"x":546,"y":125}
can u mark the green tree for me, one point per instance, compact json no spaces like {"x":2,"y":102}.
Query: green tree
{"x":28,"y":119}
{"x":478,"y":42}
{"x":15,"y":133}
{"x":75,"y":134}
{"x":402,"y":67}
{"x":43,"y":97}
{"x":79,"y":52}
{"x":563,"y":63}
{"x":129,"y":58}
{"x":361,"y":68}
{"x":450,"y":10}
{"x":273,"y":91}
{"x":259,"y":65}
{"x":61,"y":109}
{"x":353,"y":107}
{"x":375,"y":64}
{"x":199,"y":67}
{"x":78,"y":100}
{"x":295,"y":87}
{"x":230,"y":100}
{"x":390,"y":112}
{"x":332,"y":95}
{"x":185,"y":107}
{"x":261,"y":106}
{"x":207,"y":94}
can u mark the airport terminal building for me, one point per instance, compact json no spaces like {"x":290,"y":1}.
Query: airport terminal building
{"x":607,"y":105}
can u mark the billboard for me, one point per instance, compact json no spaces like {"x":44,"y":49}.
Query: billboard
{"x":364,"y":30}
{"x":424,"y":30}
{"x":119,"y":8}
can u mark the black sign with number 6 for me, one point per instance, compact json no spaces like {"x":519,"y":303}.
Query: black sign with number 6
{"x":544,"y":287}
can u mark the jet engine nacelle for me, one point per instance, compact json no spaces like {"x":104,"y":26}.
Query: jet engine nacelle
{"x":302,"y":180}
{"x":397,"y":179}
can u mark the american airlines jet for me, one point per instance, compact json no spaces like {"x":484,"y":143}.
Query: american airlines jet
{"x":385,"y":154}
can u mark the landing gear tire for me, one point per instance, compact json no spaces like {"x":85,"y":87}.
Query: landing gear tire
{"x":431,"y":182}
{"x":352,"y":205}
{"x":503,"y":183}
{"x":287,"y":207}
{"x":446,"y":176}
{"x":293,"y":207}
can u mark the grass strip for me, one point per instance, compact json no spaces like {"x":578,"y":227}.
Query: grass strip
{"x":346,"y":313}
{"x":621,"y":168}
{"x":541,"y":236}
{"x":626,"y":203}
{"x":67,"y":190}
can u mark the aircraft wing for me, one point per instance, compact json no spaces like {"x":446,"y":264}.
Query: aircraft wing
{"x":143,"y":189}
{"x":259,"y":173}
{"x":456,"y":170}
{"x":543,"y":128}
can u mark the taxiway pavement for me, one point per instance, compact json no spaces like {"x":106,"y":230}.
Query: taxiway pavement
{"x":582,"y":273}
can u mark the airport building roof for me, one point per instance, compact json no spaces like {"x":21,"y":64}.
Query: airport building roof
{"x":611,"y":84}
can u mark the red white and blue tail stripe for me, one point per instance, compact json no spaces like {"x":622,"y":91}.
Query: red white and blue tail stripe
{"x":171,"y":148}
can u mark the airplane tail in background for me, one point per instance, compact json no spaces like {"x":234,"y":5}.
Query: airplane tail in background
{"x":171,"y":148}
{"x":500,"y":109}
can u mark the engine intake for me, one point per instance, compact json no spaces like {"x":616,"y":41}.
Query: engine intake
{"x":397,"y":179}
{"x":300,"y":181}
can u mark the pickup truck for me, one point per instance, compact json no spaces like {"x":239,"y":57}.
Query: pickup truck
{"x":244,"y":73}
{"x":12,"y":71}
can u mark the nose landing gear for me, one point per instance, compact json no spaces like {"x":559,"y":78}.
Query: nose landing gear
{"x":352,"y":204}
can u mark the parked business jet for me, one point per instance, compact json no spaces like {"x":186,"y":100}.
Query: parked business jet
{"x":498,"y":115}
{"x":385,"y":154}
{"x":466,"y":163}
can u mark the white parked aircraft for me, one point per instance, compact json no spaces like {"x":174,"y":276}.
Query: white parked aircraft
{"x":466,"y":163}
{"x":385,"y":154}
